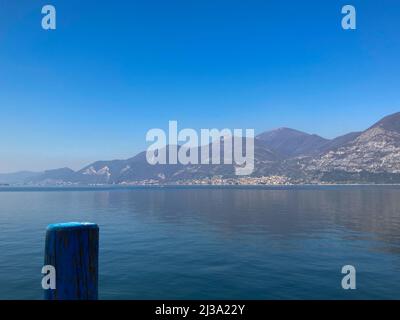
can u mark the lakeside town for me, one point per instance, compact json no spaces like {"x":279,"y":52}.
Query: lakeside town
{"x":220,"y":180}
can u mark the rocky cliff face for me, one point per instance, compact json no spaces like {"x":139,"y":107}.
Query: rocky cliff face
{"x":372,"y":156}
{"x":375,"y":150}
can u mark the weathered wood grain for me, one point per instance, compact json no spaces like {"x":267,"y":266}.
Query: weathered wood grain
{"x":72,"y":248}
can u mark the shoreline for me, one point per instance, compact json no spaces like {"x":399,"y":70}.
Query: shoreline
{"x":25,"y":188}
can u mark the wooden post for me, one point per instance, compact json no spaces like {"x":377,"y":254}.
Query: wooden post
{"x":73,"y":250}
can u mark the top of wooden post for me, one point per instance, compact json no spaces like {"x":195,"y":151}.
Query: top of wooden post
{"x":71,"y":226}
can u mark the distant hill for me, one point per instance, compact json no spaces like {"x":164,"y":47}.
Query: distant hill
{"x":372,"y":155}
{"x":17,"y":177}
{"x":291,"y":143}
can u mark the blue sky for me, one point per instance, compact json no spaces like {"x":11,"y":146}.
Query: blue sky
{"x":112,"y":70}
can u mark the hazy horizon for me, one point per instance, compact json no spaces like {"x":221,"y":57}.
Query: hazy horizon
{"x":82,"y":165}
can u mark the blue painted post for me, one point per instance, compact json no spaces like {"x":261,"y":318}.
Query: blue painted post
{"x":73,"y":250}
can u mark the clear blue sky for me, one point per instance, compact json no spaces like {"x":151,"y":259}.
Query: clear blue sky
{"x":112,"y":70}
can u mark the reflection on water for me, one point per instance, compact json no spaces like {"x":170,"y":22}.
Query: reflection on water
{"x":374,"y":211}
{"x":214,"y":243}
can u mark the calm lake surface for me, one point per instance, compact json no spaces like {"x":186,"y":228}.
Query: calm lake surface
{"x":213,"y":243}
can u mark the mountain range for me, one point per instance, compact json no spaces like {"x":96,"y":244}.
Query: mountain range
{"x":370,"y":156}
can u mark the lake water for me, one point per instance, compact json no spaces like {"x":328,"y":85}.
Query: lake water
{"x":213,"y":243}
